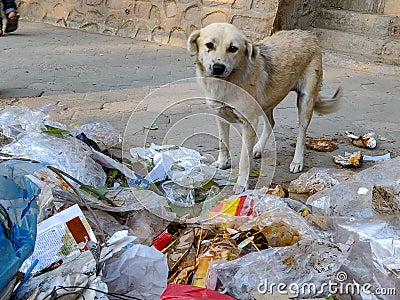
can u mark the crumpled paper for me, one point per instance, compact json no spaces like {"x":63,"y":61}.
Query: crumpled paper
{"x":139,"y":271}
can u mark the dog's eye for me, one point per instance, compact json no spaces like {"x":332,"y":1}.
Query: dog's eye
{"x":210,"y":46}
{"x":233,"y":49}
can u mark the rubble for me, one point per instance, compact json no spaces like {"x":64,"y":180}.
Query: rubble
{"x":80,"y":223}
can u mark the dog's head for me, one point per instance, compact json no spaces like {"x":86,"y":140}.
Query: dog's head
{"x":220,"y":49}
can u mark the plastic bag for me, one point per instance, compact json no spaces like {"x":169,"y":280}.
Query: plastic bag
{"x":318,"y":179}
{"x":101,"y":132}
{"x":18,"y":216}
{"x":354,"y":197}
{"x":138,"y":271}
{"x":15,"y":120}
{"x":66,"y":153}
{"x":181,"y":165}
{"x":82,"y":274}
{"x":145,"y":225}
{"x":179,"y":195}
{"x":307,"y":261}
{"x":281,"y":226}
{"x":374,"y":257}
{"x":81,"y":271}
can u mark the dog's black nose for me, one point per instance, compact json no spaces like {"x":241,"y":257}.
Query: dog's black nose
{"x":218,"y":69}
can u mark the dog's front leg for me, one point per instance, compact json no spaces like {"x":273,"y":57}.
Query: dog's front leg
{"x":223,"y":155}
{"x":267,"y":129}
{"x":246,"y":155}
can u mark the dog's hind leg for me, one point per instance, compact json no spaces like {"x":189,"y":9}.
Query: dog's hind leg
{"x":223,"y":139}
{"x":305,"y":106}
{"x":307,"y":89}
{"x":267,"y":129}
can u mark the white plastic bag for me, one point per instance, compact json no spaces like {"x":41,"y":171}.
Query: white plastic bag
{"x":139,"y":271}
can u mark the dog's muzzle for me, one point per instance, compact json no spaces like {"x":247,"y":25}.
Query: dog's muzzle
{"x":218,"y":69}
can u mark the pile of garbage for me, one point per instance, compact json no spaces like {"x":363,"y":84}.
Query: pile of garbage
{"x":80,"y":222}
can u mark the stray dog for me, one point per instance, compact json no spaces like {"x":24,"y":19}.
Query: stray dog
{"x":268,"y":71}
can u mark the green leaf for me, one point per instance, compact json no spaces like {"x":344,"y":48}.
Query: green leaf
{"x":256,"y":173}
{"x":94,"y":191}
{"x":209,"y":185}
{"x":54,"y":130}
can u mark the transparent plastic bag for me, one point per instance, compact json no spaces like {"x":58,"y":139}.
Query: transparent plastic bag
{"x":374,"y":257}
{"x":309,"y":261}
{"x":17,"y":120}
{"x":101,"y":132}
{"x":318,"y":179}
{"x":65,"y":153}
{"x":179,"y":195}
{"x":354,"y":197}
{"x":285,"y":226}
{"x":182,"y":165}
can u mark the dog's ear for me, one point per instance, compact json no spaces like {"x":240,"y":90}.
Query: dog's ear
{"x":251,"y":50}
{"x":192,"y":42}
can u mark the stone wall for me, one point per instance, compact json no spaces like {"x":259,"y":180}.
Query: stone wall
{"x":161,"y":21}
{"x":388,"y":7}
{"x":298,"y":14}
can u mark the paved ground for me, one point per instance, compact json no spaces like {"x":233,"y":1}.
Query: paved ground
{"x":96,"y":77}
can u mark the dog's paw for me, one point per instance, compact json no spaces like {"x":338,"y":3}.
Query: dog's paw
{"x":238,"y":189}
{"x":222,"y":164}
{"x":257,"y":151}
{"x":296,"y":167}
{"x":241,"y":185}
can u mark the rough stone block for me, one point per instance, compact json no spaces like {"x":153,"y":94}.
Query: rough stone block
{"x":37,"y":10}
{"x":94,"y":2}
{"x":178,"y":37}
{"x":91,"y":27}
{"x":75,"y":18}
{"x":59,"y":11}
{"x":142,"y":9}
{"x":170,"y":8}
{"x":113,"y":22}
{"x":192,"y":17}
{"x":128,"y":29}
{"x":242,"y":4}
{"x":214,"y":17}
{"x":119,"y":4}
{"x":160,"y":36}
{"x":218,"y":3}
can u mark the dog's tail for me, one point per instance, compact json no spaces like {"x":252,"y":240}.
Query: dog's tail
{"x":326,"y":106}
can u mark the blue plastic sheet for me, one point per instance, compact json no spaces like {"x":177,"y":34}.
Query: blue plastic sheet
{"x":18,"y":215}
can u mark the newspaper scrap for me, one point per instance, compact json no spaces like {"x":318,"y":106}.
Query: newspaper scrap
{"x":61,"y":237}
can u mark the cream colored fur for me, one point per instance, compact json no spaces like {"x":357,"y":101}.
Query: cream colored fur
{"x":268,"y":71}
